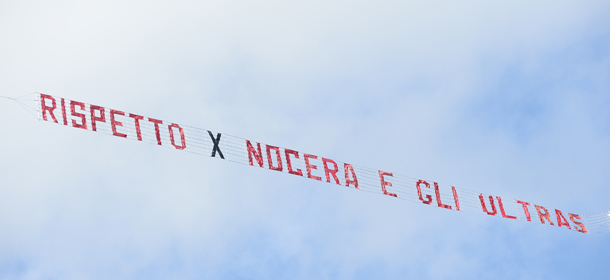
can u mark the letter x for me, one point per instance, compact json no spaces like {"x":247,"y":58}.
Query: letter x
{"x":216,"y":141}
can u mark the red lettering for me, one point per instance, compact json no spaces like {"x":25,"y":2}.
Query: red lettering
{"x":157,"y":132}
{"x":44,"y":108}
{"x":438,"y":198}
{"x":251,"y":151}
{"x":546,"y":214}
{"x":63,"y":111}
{"x":502,"y":209}
{"x":114,"y":123}
{"x":328,"y":171}
{"x":309,"y":166}
{"x":83,"y":123}
{"x":428,"y":197}
{"x":289,"y":152}
{"x":527,"y":211}
{"x":137,"y":119}
{"x":455,"y":198}
{"x":94,"y":118}
{"x":171,"y":136}
{"x":279,"y":158}
{"x":384,"y":183}
{"x":493,"y":206}
{"x":582,"y":228}
{"x":561,"y":220}
{"x":348,"y":182}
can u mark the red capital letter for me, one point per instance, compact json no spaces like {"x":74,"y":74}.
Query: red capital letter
{"x":171,"y":136}
{"x":455,"y":198}
{"x":348,"y":182}
{"x":157,"y":132}
{"x":101,"y":118}
{"x":438,"y":198}
{"x":384,"y":183}
{"x":137,"y":119}
{"x":83,"y":125}
{"x":63,"y":111}
{"x":115,"y":123}
{"x":428,"y":197}
{"x":502,"y":209}
{"x":44,"y":108}
{"x":310,"y":166}
{"x":493,"y":206}
{"x":289,"y":152}
{"x":279,"y":158}
{"x":561,"y":220}
{"x":325,"y":162}
{"x":527,"y":211}
{"x":545,"y":215}
{"x":251,"y":151}
{"x":582,"y":228}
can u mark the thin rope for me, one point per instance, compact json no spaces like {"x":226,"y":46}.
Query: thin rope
{"x":26,"y":107}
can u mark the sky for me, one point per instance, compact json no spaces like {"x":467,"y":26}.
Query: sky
{"x":509,"y":99}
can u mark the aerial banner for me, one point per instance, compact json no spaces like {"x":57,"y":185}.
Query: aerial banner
{"x":221,"y":146}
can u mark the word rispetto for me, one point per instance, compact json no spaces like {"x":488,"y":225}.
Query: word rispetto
{"x":240,"y":150}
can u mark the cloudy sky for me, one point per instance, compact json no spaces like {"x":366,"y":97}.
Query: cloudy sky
{"x":510,"y":99}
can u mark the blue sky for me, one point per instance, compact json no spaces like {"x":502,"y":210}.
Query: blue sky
{"x":509,"y":99}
